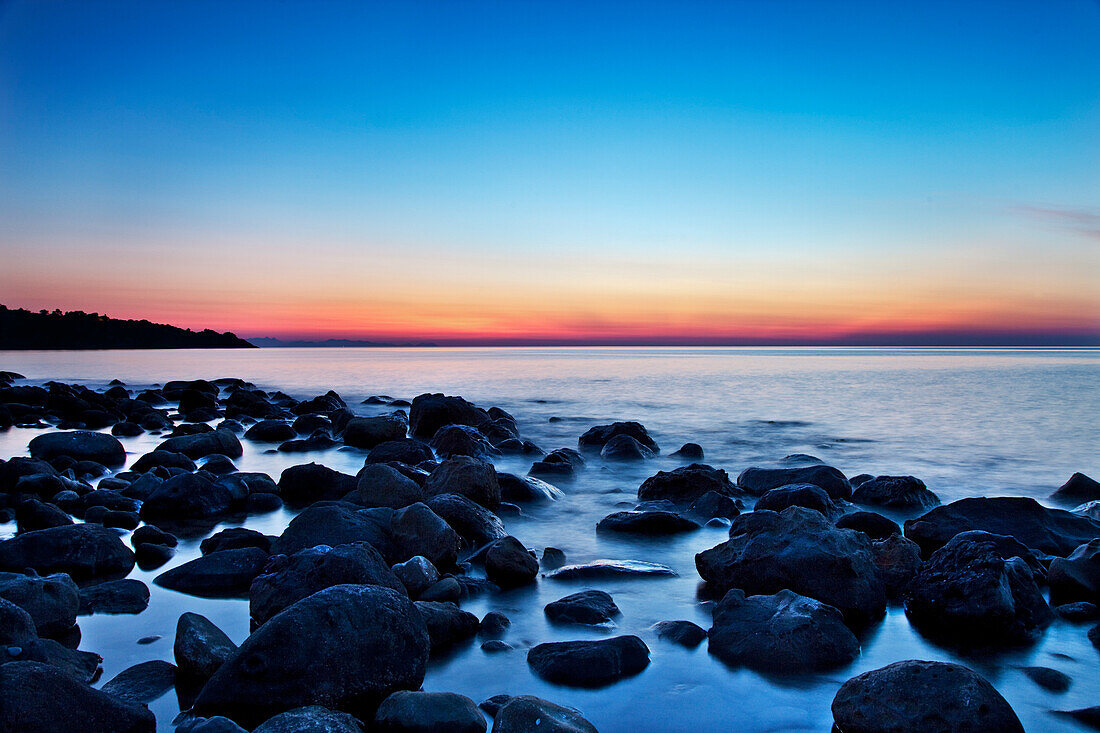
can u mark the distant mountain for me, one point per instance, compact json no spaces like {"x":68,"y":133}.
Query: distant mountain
{"x":266,"y":342}
{"x":23,"y":329}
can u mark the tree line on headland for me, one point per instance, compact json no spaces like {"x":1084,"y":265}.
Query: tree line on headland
{"x":24,"y":329}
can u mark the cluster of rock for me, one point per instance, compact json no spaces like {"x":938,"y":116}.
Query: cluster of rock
{"x":366,"y":583}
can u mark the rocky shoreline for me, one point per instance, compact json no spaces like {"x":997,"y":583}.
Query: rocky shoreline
{"x":366,"y":584}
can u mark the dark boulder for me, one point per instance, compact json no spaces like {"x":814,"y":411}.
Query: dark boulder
{"x":153,"y":535}
{"x":31,"y":514}
{"x":646,"y":523}
{"x":186,"y":496}
{"x":235,"y":538}
{"x":589,"y":663}
{"x":143,"y":682}
{"x":417,"y":574}
{"x":310,"y":719}
{"x":405,"y":450}
{"x":474,"y":479}
{"x":1077,"y":577}
{"x":337,"y":524}
{"x":476,"y":525}
{"x":1080,"y":488}
{"x":19,"y":467}
{"x":524,"y":489}
{"x":83,"y":551}
{"x":430,"y":412}
{"x":784,"y":632}
{"x":922,"y":697}
{"x":586,"y":607}
{"x":16,"y":625}
{"x":562,"y":463}
{"x":310,"y":482}
{"x":203,"y":444}
{"x":382,"y":485}
{"x":713,"y":504}
{"x":899,"y":561}
{"x":1049,"y":679}
{"x":528,"y":714}
{"x":684,"y":633}
{"x":686,"y":484}
{"x":417,"y":530}
{"x":603,"y":569}
{"x":689,"y":452}
{"x":447,"y":624}
{"x":228,"y":573}
{"x":319,"y":440}
{"x":328,"y":402}
{"x":902,"y":492}
{"x":625,"y":448}
{"x":509,"y":564}
{"x":367,"y":432}
{"x":270,"y":431}
{"x":200,"y":647}
{"x":596,"y":438}
{"x":462,"y":440}
{"x":757,"y":481}
{"x":875,"y":526}
{"x":151,"y":556}
{"x":115,"y":596}
{"x":40,"y":698}
{"x":52,"y":601}
{"x":80,"y":445}
{"x":799,"y":550}
{"x":428,"y":712}
{"x":809,"y":496}
{"x":162,"y":459}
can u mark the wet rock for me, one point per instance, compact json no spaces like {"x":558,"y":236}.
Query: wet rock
{"x":305,"y":484}
{"x":476,"y":525}
{"x":416,"y":574}
{"x":809,"y":496}
{"x":447,"y":624}
{"x":270,"y":431}
{"x":589,"y":663}
{"x":115,"y":596}
{"x":319,"y":440}
{"x":417,"y":530}
{"x":430,"y":412}
{"x":757,"y":480}
{"x":713,"y":504}
{"x":1079,"y":611}
{"x":684,"y":633}
{"x":382,"y":485}
{"x":83,"y":551}
{"x":495,"y":646}
{"x":39,"y":698}
{"x":154,"y":535}
{"x":1052,"y":531}
{"x":287,"y":580}
{"x":16,"y":625}
{"x":596,"y":438}
{"x":799,"y":550}
{"x":427,"y":712}
{"x":509,"y":564}
{"x":625,"y":448}
{"x":310,"y":719}
{"x":586,"y":607}
{"x":52,"y":602}
{"x":405,"y":450}
{"x":895,"y":491}
{"x":916,"y":696}
{"x":201,"y":648}
{"x":80,"y":445}
{"x":219,"y":465}
{"x":235,"y":538}
{"x":969,"y":593}
{"x":328,"y":402}
{"x":336,"y":524}
{"x":1079,"y":488}
{"x":602,"y":569}
{"x":19,"y":467}
{"x":686,"y":484}
{"x":524,"y":489}
{"x":875,"y":526}
{"x":444,"y":589}
{"x":150,"y":556}
{"x":474,"y":479}
{"x":529,"y":714}
{"x":1077,"y":577}
{"x":216,"y":724}
{"x":81,"y":666}
{"x":646,"y":523}
{"x":367,"y":432}
{"x":1049,"y":679}
{"x":562,"y":463}
{"x":552,"y":558}
{"x":186,"y":496}
{"x":899,"y":560}
{"x":462,"y":440}
{"x":162,"y":459}
{"x":143,"y":682}
{"x":228,"y":573}
{"x":121,"y":520}
{"x":689,"y":452}
{"x":1085,"y":716}
{"x":32,"y":514}
{"x":203,"y":444}
{"x":493,"y":625}
{"x":784,"y":632}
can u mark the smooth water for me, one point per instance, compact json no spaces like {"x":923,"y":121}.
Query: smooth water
{"x":968,"y":422}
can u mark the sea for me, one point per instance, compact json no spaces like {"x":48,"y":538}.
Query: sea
{"x":968,"y":422}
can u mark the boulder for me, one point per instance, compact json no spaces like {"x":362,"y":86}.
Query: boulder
{"x":809,"y":496}
{"x":417,"y":530}
{"x":225,"y":574}
{"x":447,"y":624}
{"x":524,"y":489}
{"x":686,"y":484}
{"x":529,"y":714}
{"x":270,"y":431}
{"x":875,"y":526}
{"x":416,"y":574}
{"x":80,"y":445}
{"x":901,"y":492}
{"x":367,"y":432}
{"x":586,"y":607}
{"x":287,"y":580}
{"x":757,"y":480}
{"x":921,"y":697}
{"x":646,"y":523}
{"x":40,"y":698}
{"x":589,"y":663}
{"x":625,"y":448}
{"x":16,"y":625}
{"x":784,"y":632}
{"x":474,"y":479}
{"x":381,"y":485}
{"x":684,"y":633}
{"x":476,"y":525}
{"x":596,"y":438}
{"x":310,"y":719}
{"x":462,"y":440}
{"x":603,"y":569}
{"x":405,"y":450}
{"x":899,"y":561}
{"x":115,"y":596}
{"x":162,"y":459}
{"x":1053,"y":531}
{"x":1080,"y":488}
{"x":509,"y":564}
{"x":1077,"y":577}
{"x":198,"y":445}
{"x":235,"y":538}
{"x":83,"y":551}
{"x":428,"y":712}
{"x":305,"y":484}
{"x":562,"y":463}
{"x":797,"y":549}
{"x":32,"y":514}
{"x":713,"y":504}
{"x":186,"y":496}
{"x":143,"y":682}
{"x":52,"y":601}
{"x":200,"y":647}
{"x":429,"y":412}
{"x":689,"y":452}
{"x":337,"y":524}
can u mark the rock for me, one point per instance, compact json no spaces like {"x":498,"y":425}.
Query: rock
{"x":495,"y":646}
{"x":32,"y":514}
{"x":562,"y":463}
{"x":184,"y":497}
{"x":228,"y":573}
{"x":150,"y":556}
{"x":203,"y":444}
{"x":784,"y":632}
{"x":318,"y":440}
{"x":417,"y":530}
{"x":416,"y":574}
{"x":328,"y":402}
{"x":462,"y":440}
{"x":646,"y":523}
{"x":19,"y":467}
{"x":310,"y":719}
{"x":509,"y":564}
{"x":1049,"y":679}
{"x":335,"y":524}
{"x":367,"y":432}
{"x":430,"y":412}
{"x":349,"y":646}
{"x":713,"y":504}
{"x":686,"y":484}
{"x":427,"y":712}
{"x":684,"y":633}
{"x":1077,"y":577}
{"x":1085,"y":716}
{"x":809,"y":496}
{"x":270,"y":431}
{"x":799,"y":550}
{"x":80,"y":445}
{"x":162,"y":459}
{"x":143,"y":682}
{"x":474,"y":479}
{"x":1080,"y":488}
{"x":121,"y":520}
{"x":154,"y":535}
{"x":1053,"y":531}
{"x":493,"y":625}
{"x":529,"y":714}
{"x":586,"y":607}
{"x":899,"y":561}
{"x":305,"y":484}
{"x":262,"y":503}
{"x":895,"y":491}
{"x":968,"y":592}
{"x":447,"y":624}
{"x":1079,"y":611}
{"x":444,"y":589}
{"x":625,"y":448}
{"x":83,"y":551}
{"x":476,"y":525}
{"x":596,"y":438}
{"x":405,"y":450}
{"x":115,"y":596}
{"x":552,"y":558}
{"x":235,"y":538}
{"x":757,"y":481}
{"x":875,"y":526}
{"x":916,"y":696}
{"x":39,"y":698}
{"x":81,"y":666}
{"x":589,"y":663}
{"x":524,"y":489}
{"x":201,"y":647}
{"x":16,"y":625}
{"x":602,"y":569}
{"x":287,"y":580}
{"x":382,"y":485}
{"x":689,"y":452}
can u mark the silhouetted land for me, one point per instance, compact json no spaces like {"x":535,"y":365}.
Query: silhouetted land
{"x":23,"y":329}
{"x":269,"y":342}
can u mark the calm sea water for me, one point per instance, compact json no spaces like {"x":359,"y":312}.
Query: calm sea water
{"x":968,"y":422}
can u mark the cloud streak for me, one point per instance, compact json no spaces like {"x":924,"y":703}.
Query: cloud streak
{"x":1083,"y":221}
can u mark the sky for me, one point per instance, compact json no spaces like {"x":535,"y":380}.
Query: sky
{"x":558,"y":172}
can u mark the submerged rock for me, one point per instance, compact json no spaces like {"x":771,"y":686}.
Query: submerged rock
{"x":529,"y":714}
{"x":509,"y":564}
{"x":597,"y":438}
{"x":228,"y":573}
{"x":310,"y":719}
{"x":523,"y":489}
{"x":427,"y":712}
{"x":646,"y":523}
{"x":586,"y":607}
{"x":689,"y":452}
{"x":598,"y":569}
{"x":625,"y":448}
{"x":895,"y":491}
{"x":589,"y":663}
{"x":684,"y":633}
{"x":1079,"y":488}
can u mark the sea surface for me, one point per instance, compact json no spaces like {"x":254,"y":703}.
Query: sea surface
{"x":969,"y":422}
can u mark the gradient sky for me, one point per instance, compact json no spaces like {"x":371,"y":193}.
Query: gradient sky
{"x":558,"y":171}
